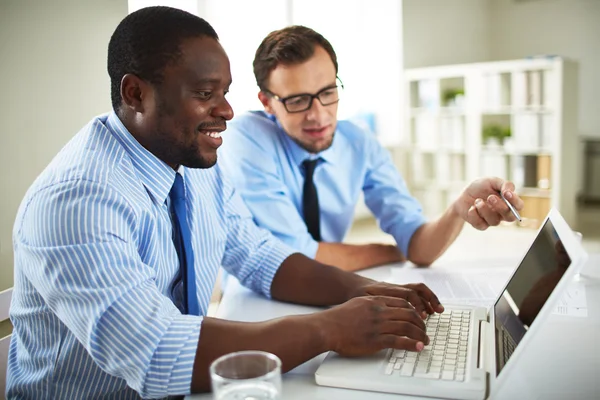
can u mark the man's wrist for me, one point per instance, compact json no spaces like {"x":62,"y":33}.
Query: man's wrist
{"x":321,"y":331}
{"x":454,"y":210}
{"x":355,"y":285}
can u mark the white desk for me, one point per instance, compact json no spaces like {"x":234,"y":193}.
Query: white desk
{"x":565,"y":361}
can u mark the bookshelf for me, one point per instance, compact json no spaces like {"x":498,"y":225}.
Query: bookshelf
{"x":512,"y":119}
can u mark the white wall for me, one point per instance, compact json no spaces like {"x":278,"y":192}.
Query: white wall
{"x":569,"y":28}
{"x":440,"y":32}
{"x":53,"y":79}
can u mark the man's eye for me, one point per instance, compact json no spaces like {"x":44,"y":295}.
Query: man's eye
{"x":202,"y":94}
{"x":294,"y":101}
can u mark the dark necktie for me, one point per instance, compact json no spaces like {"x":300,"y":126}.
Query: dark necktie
{"x":183,"y":244}
{"x":310,"y":200}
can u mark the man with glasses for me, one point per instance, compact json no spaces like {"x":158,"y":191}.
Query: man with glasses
{"x":301,"y":171}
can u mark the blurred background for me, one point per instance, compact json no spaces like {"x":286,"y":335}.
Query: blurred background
{"x":454,"y":89}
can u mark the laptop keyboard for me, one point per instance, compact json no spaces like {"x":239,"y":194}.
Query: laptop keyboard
{"x":509,"y":345}
{"x":446,"y":355}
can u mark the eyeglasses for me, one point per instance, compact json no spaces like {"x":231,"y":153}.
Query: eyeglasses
{"x":303,"y":101}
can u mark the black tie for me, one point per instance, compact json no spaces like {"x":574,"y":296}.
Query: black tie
{"x":310,"y":200}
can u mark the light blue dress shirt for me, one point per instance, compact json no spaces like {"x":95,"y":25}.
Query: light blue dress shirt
{"x":266,"y":166}
{"x":93,"y":302}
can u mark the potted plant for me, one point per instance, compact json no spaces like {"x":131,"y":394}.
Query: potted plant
{"x":453,"y":97}
{"x":494,"y":135}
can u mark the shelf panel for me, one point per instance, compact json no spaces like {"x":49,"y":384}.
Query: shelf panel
{"x":509,"y":110}
{"x":516,"y":153}
{"x":439,"y":111}
{"x":534,"y":192}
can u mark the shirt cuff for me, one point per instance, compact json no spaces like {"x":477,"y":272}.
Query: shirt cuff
{"x":310,"y":250}
{"x":406,"y":233}
{"x":172,"y":364}
{"x":275,"y":257}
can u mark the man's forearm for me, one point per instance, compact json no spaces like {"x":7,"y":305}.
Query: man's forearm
{"x":293,"y":339}
{"x":432,"y":239}
{"x":350,"y":257}
{"x":303,"y":280}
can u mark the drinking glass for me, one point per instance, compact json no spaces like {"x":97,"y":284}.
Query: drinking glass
{"x":246,"y":375}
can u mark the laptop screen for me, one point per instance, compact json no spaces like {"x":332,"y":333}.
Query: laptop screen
{"x":534,"y":280}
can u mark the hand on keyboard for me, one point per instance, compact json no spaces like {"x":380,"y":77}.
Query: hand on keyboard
{"x":418,"y":294}
{"x":365,"y":325}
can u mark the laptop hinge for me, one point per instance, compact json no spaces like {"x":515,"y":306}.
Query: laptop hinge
{"x":485,"y":341}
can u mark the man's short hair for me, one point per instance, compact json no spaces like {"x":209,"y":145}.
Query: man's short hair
{"x":288,"y":46}
{"x":148,"y":40}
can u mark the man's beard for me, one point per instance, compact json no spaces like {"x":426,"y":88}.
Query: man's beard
{"x":314,"y":148}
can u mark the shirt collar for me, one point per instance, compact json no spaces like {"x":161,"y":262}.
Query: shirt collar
{"x":299,"y":154}
{"x":156,"y":175}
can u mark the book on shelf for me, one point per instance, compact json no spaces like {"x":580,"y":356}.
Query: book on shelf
{"x":548,"y":89}
{"x":530,"y":171}
{"x":519,"y":89}
{"x":429,"y":94}
{"x":534,"y":88}
{"x":526,"y":132}
{"x":544,"y":167}
{"x":518,"y":171}
{"x":496,"y":91}
{"x":425,"y":132}
{"x":451,"y":133}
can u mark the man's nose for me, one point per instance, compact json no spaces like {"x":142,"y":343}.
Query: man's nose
{"x":223,"y":110}
{"x":316,"y":110}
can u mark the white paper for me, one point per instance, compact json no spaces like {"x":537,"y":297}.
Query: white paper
{"x":481,"y":286}
{"x":471,"y":287}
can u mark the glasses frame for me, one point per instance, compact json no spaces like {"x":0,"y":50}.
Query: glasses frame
{"x":283,"y":100}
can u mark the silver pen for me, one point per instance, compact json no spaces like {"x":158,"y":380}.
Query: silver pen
{"x":512,"y":209}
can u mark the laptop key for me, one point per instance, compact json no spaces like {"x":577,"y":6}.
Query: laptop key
{"x":407,"y":370}
{"x":436,"y":369}
{"x":399,"y":353}
{"x":448,"y":375}
{"x":389,"y":368}
{"x":427,"y":375}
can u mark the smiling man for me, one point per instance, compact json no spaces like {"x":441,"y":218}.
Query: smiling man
{"x":301,"y":171}
{"x":118,"y":243}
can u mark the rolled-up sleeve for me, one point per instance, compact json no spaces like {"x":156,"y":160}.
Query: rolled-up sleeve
{"x":77,"y":246}
{"x":398,"y":213}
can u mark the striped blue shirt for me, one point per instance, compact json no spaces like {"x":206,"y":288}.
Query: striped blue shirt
{"x":93,"y":308}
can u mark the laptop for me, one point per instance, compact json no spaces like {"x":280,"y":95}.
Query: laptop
{"x":473,"y":349}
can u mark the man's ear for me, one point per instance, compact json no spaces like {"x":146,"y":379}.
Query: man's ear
{"x":266,"y":102}
{"x":133,"y":92}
